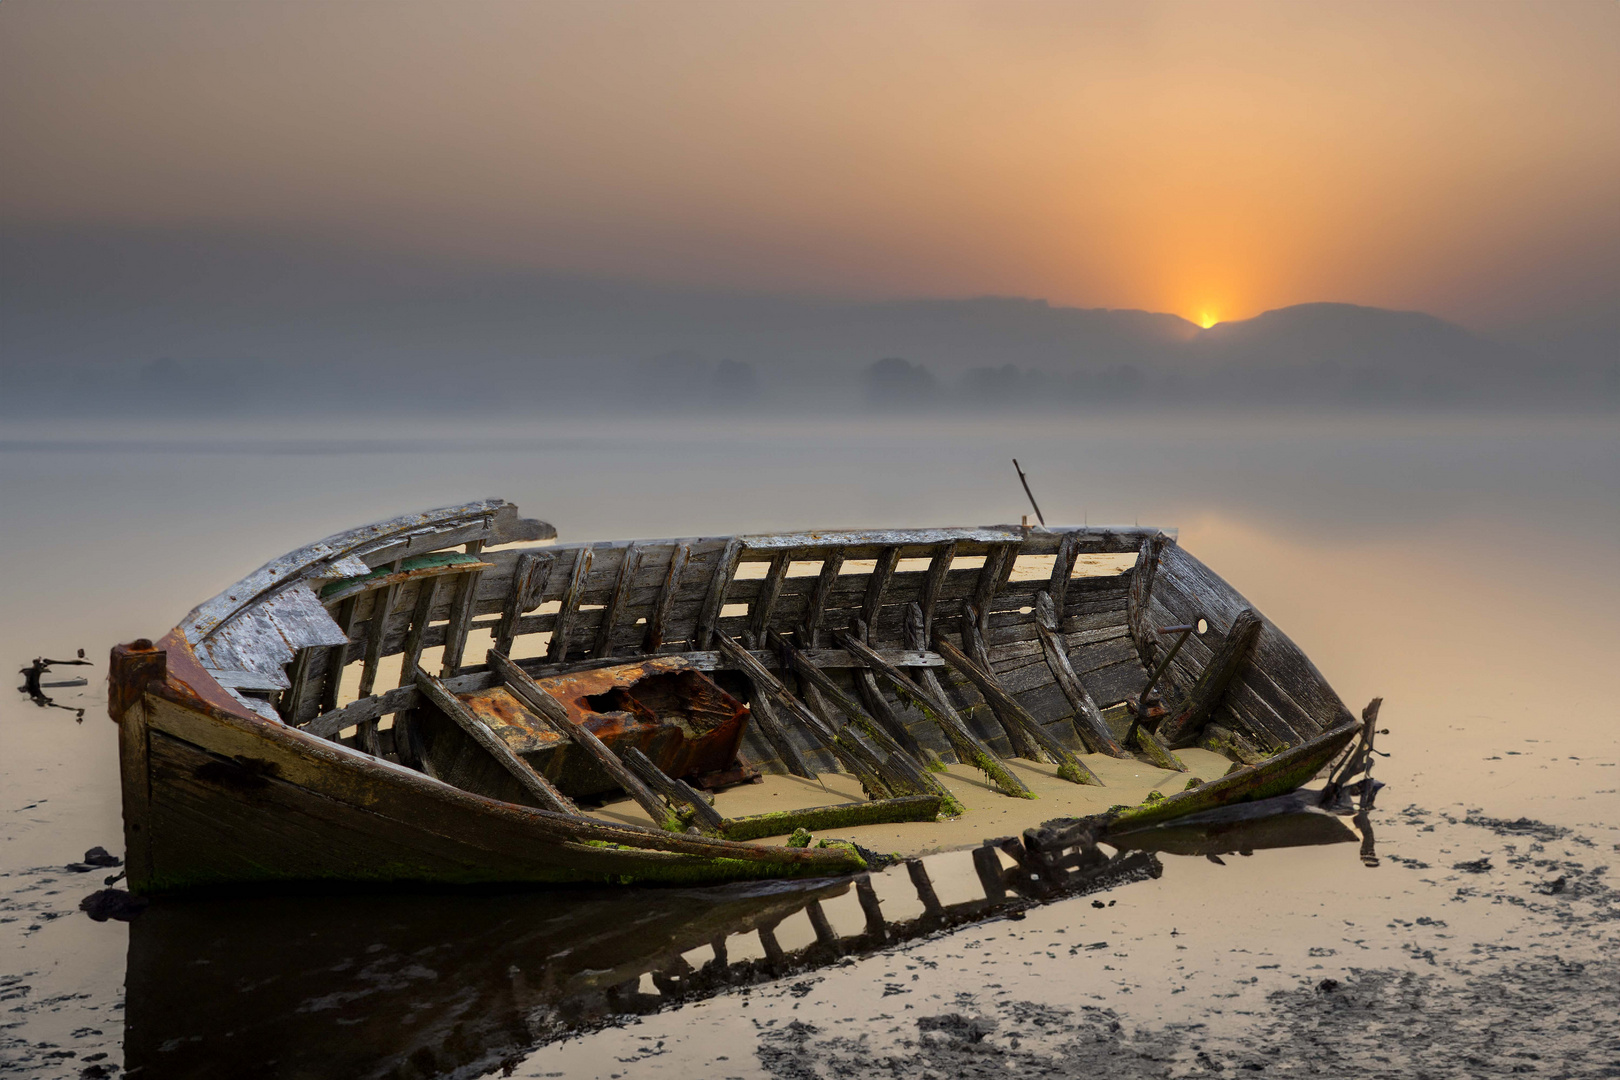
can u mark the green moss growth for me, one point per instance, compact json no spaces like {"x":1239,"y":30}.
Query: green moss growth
{"x":1194,"y":782}
{"x":800,"y":838}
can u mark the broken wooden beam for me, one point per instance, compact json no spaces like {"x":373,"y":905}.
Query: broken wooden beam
{"x":850,"y":753}
{"x":1014,"y":715}
{"x":677,"y":792}
{"x":1183,"y":726}
{"x":1088,"y":720}
{"x":839,"y":816}
{"x":899,"y":769}
{"x":544,"y":793}
{"x":974,"y":648}
{"x":933,"y":703}
{"x":548,"y":708}
{"x":615,"y":604}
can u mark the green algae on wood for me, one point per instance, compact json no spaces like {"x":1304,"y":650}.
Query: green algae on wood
{"x":841,"y":816}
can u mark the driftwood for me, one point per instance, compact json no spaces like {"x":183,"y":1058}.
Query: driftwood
{"x":1014,"y":715}
{"x":547,"y":796}
{"x":1088,"y":720}
{"x":551,"y":710}
{"x":842,"y":816}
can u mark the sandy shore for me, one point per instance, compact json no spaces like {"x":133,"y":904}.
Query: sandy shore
{"x":989,"y":813}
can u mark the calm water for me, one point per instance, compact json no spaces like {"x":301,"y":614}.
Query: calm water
{"x":1465,"y":569}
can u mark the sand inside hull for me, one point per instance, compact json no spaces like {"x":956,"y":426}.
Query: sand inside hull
{"x":989,"y":812}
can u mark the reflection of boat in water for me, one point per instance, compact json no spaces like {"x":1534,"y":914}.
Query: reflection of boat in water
{"x":459,"y":983}
{"x":650,"y":668}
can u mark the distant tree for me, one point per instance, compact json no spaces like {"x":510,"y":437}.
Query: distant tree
{"x":896,"y":383}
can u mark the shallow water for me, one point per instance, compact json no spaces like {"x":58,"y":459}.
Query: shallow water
{"x":1463,"y":568}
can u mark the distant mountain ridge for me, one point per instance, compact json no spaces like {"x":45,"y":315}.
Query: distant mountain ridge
{"x":200,"y":318}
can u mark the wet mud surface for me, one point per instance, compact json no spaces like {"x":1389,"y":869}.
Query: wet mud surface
{"x":1545,"y":1006}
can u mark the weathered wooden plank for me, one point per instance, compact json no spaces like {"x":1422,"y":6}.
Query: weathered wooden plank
{"x":337,"y":656}
{"x":1023,"y":745}
{"x":725,"y":568}
{"x":1013,"y":714}
{"x":535,"y":784}
{"x":831,"y":562}
{"x":615,"y":604}
{"x":1182,"y":726}
{"x":461,"y":613}
{"x":668,"y":588}
{"x":1088,"y":721}
{"x":840,"y":816}
{"x":1141,"y":591}
{"x":938,"y":567}
{"x":763,"y":714}
{"x":770,"y":589}
{"x":529,"y":577}
{"x":877,"y":583}
{"x":1063,"y":569}
{"x":563,"y":625}
{"x":930,"y":697}
{"x":676,"y":792}
{"x":902,"y":773}
{"x":380,"y":612}
{"x":850,"y":753}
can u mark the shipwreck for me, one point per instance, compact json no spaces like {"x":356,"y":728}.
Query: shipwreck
{"x":454,"y":698}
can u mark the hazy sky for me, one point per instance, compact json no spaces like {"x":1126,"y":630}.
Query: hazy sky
{"x":1197,"y":158}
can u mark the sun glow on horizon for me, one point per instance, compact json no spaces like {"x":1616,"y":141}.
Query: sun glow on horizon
{"x":1207,"y":319}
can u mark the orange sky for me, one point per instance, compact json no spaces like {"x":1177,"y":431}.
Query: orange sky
{"x":1197,"y":158}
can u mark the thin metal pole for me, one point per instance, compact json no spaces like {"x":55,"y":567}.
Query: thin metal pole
{"x":1025,"y":481}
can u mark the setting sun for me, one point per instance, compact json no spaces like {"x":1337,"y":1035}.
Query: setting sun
{"x":1207,"y":319}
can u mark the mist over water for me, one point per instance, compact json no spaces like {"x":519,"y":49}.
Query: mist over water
{"x":1463,"y":567}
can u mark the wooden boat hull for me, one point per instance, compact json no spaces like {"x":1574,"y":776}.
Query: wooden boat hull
{"x":215,"y":800}
{"x":240,"y":766}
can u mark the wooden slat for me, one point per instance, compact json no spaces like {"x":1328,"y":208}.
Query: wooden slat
{"x":563,"y":627}
{"x":658,"y":623}
{"x":547,"y":796}
{"x":615,"y":604}
{"x":938,"y":567}
{"x":1088,"y":720}
{"x":902,"y":773}
{"x":831,"y":563}
{"x":377,"y":632}
{"x":1013,"y":714}
{"x":1140,"y":595}
{"x":769,"y":590}
{"x":719,"y":581}
{"x":763,"y":714}
{"x":850,"y":753}
{"x":336,"y":655}
{"x":877,"y":583}
{"x":1182,"y":726}
{"x":1063,"y":571}
{"x":410,"y":658}
{"x":927,"y":693}
{"x":973,"y":640}
{"x":674,"y":791}
{"x":529,"y":577}
{"x":461,"y":613}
